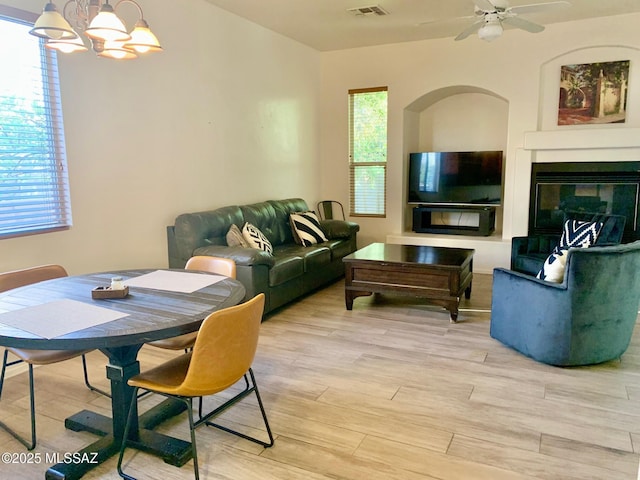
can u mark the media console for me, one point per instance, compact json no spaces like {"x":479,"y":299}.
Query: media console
{"x":423,"y":220}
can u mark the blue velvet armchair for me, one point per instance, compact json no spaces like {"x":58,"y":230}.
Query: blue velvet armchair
{"x":586,"y":319}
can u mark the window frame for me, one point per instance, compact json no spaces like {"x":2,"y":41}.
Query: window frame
{"x":355,"y":165}
{"x":55,"y":203}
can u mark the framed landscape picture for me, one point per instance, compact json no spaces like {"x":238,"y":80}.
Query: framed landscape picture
{"x":593,"y":93}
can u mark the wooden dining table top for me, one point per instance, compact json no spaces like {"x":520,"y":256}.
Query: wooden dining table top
{"x":150,"y":314}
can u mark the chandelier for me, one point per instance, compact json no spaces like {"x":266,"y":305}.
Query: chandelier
{"x":98,"y":20}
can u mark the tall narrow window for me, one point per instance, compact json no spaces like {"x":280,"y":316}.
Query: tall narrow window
{"x":34,"y":192}
{"x":368,"y":151}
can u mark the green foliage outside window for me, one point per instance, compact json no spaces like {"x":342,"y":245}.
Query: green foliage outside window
{"x":368,"y":151}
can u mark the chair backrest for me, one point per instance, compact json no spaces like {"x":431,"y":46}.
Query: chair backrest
{"x":612,"y":225}
{"x":219,"y":265}
{"x":328,"y":209}
{"x":225,"y":348}
{"x":27,"y":276}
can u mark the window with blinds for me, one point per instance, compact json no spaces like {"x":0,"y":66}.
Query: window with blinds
{"x":368,"y":151}
{"x":34,"y":191}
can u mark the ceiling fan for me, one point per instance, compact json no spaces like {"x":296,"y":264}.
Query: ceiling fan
{"x":491,"y":14}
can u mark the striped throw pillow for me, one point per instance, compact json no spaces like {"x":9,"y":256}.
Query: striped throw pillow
{"x":306,"y":228}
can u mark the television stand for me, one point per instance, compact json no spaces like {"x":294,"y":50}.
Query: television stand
{"x":423,"y":220}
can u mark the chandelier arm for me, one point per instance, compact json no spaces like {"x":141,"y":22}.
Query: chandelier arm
{"x":135,"y":3}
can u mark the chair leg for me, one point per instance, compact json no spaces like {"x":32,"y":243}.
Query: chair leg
{"x":192,"y":428}
{"x":4,"y":368}
{"x":248,"y":390}
{"x":125,"y":437}
{"x":32,"y":408}
{"x":86,"y":380}
{"x":5,"y":364}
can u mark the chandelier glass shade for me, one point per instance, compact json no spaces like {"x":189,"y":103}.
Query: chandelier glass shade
{"x":98,"y":20}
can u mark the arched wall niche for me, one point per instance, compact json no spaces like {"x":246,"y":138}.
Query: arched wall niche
{"x":455,"y":118}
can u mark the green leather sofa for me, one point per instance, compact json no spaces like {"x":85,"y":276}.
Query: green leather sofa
{"x":291,"y":271}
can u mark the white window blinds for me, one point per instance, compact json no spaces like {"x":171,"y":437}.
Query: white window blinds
{"x":368,"y":151}
{"x":34,"y":192}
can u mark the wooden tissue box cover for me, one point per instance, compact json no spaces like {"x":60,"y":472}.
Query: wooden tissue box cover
{"x":107,"y":292}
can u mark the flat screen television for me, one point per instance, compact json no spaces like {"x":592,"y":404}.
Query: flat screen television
{"x":455,"y":178}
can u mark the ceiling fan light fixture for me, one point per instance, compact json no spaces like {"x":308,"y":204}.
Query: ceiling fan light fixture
{"x":490,"y":31}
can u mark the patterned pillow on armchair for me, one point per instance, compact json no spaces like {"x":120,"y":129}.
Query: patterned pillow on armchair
{"x":579,"y":234}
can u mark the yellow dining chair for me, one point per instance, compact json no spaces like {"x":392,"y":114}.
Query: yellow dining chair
{"x":221,"y":266}
{"x":20,"y":278}
{"x":222,"y":355}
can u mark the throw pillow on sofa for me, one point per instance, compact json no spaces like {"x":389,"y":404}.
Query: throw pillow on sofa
{"x":234,"y":237}
{"x":306,"y":228}
{"x":255,"y":238}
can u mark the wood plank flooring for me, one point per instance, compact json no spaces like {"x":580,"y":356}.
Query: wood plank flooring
{"x":389,"y":390}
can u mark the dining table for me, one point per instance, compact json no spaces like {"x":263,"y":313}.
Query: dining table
{"x":62,"y":314}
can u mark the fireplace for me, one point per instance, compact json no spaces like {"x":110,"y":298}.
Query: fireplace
{"x":598,"y":187}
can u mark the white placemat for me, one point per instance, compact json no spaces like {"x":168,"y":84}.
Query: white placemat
{"x":184,"y":282}
{"x":57,"y":318}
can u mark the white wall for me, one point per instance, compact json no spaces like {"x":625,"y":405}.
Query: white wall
{"x":517,"y":67}
{"x":227,"y":114}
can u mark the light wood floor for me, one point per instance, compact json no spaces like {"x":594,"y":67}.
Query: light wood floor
{"x":390,"y":390}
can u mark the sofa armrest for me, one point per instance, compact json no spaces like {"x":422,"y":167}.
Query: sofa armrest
{"x":242,"y":256}
{"x":339,"y":228}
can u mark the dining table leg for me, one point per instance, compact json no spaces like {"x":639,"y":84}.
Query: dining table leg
{"x":123,"y":365}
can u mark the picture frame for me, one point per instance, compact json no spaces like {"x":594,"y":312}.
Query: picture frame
{"x":593,"y":93}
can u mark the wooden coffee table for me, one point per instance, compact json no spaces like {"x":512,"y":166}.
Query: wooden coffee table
{"x":440,"y":274}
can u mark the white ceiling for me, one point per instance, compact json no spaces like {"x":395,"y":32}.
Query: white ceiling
{"x":326,"y":25}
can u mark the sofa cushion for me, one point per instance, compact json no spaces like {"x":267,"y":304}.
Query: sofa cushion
{"x":339,"y":248}
{"x":282,"y":209}
{"x":255,"y":238}
{"x":306,"y":228}
{"x":285,"y":268}
{"x":193,"y":230}
{"x":313,"y":257}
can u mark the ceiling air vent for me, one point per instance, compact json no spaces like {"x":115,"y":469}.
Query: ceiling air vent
{"x":371,"y":10}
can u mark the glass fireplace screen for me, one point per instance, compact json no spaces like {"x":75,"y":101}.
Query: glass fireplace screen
{"x":553,"y":200}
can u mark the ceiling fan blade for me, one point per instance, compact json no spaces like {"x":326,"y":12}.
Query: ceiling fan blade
{"x":484,"y":5}
{"x":538,"y":7}
{"x":446,"y":21}
{"x":523,"y":24}
{"x":469,"y":30}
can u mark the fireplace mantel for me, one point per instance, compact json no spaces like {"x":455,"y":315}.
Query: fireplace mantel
{"x":582,"y":139}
